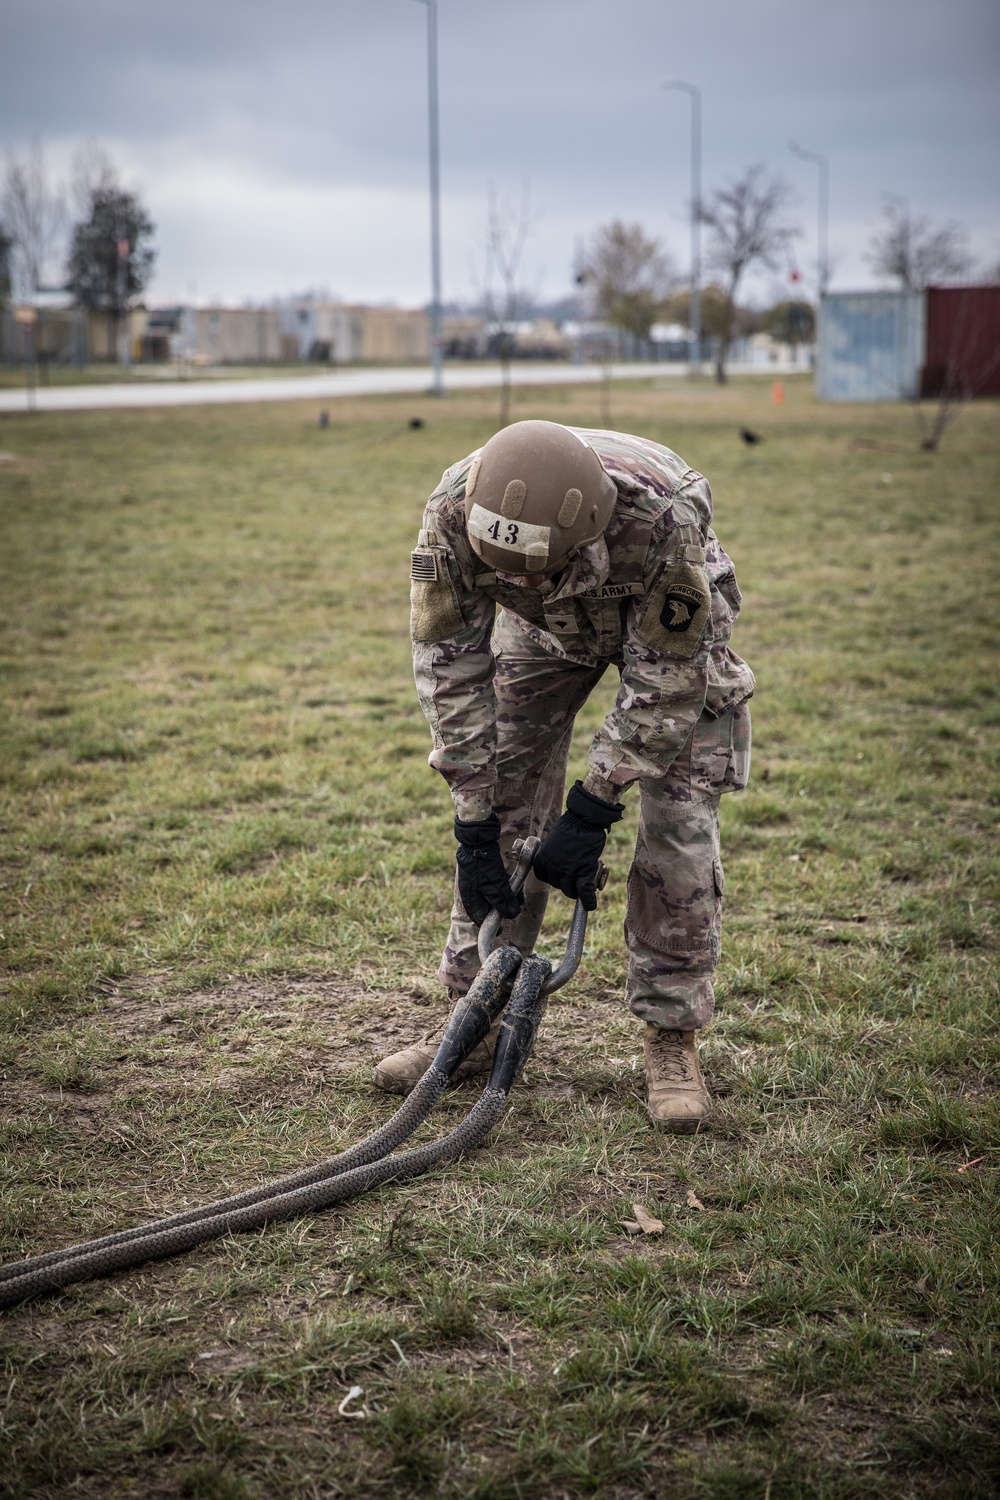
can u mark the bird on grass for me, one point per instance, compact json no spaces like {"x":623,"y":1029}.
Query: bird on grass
{"x":750,"y":437}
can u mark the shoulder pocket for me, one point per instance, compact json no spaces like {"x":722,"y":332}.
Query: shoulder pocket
{"x":434,"y":609}
{"x":676,"y":610}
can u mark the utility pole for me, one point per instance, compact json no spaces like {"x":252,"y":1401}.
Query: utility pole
{"x":823,"y":227}
{"x":121,"y":295}
{"x":695,"y":95}
{"x":435,"y":177}
{"x":27,"y":316}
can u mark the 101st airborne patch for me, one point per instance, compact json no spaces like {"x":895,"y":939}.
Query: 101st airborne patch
{"x":677,"y":610}
{"x":434,"y":611}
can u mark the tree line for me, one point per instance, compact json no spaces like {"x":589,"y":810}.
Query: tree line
{"x":631,"y":281}
{"x":92,"y":237}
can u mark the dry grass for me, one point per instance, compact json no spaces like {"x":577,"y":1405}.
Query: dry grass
{"x":225,"y":875}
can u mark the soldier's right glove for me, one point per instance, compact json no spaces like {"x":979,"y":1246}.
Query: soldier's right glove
{"x":571,"y":851}
{"x":482,"y":879}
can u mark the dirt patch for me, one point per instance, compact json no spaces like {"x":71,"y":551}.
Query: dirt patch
{"x":339,"y":1025}
{"x":276,"y":1046}
{"x":358,"y":1023}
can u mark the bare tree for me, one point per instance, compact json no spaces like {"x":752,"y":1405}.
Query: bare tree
{"x":951,"y":398}
{"x":34,"y":213}
{"x":629,"y":275}
{"x":909,"y":248}
{"x":746,"y":223}
{"x":6,"y":245}
{"x":93,"y":172}
{"x":506,"y":233}
{"x":627,"y":278}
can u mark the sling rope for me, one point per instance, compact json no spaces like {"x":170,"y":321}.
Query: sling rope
{"x":364,"y":1166}
{"x":527,"y":981}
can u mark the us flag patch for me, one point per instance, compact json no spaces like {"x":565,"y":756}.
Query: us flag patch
{"x":423,"y":567}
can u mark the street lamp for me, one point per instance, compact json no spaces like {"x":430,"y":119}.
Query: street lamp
{"x":695,"y":93}
{"x":435,"y":175}
{"x":121,"y":293}
{"x":823,"y":230}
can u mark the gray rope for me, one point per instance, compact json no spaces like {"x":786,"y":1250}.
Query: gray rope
{"x":355,"y":1171}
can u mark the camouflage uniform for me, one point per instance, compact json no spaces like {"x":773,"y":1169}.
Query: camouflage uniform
{"x":656,"y":598}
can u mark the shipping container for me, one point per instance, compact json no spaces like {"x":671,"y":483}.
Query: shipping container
{"x":963,"y":342}
{"x":871,"y":346}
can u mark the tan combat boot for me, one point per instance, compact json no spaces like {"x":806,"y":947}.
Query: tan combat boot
{"x":402,"y":1071}
{"x":676,"y":1096}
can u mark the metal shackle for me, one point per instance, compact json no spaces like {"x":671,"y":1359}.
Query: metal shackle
{"x":525,"y":851}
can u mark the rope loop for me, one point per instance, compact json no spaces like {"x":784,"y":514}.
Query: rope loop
{"x":367,"y":1165}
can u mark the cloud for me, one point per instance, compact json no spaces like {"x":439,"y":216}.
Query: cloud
{"x":284,"y":145}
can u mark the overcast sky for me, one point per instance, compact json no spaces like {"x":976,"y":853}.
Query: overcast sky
{"x":283,"y":146}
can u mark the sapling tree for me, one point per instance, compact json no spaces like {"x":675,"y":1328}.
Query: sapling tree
{"x":914,"y":251}
{"x":505,"y":300}
{"x":747,"y":227}
{"x":33,"y":211}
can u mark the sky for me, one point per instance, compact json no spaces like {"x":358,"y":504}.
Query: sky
{"x":281,"y":147}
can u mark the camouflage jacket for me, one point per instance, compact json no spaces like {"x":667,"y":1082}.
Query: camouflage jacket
{"x":655,"y":596}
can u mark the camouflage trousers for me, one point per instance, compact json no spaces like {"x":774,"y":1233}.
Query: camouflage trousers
{"x":673,"y":920}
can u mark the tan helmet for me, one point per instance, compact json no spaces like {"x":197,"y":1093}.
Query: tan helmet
{"x":534,"y":494}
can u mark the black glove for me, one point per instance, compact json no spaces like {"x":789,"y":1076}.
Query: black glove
{"x":571,"y":852}
{"x":482,"y":879}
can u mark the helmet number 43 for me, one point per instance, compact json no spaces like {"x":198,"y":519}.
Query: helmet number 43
{"x":510,"y":534}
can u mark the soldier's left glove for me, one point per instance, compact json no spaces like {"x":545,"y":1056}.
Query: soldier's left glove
{"x":571,"y":853}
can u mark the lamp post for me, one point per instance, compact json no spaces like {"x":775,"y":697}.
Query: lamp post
{"x":435,"y":176}
{"x":27,"y":317}
{"x":823,"y":227}
{"x":121,"y":293}
{"x":695,"y":95}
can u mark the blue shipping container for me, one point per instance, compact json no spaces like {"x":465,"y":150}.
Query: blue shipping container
{"x":871,"y":346}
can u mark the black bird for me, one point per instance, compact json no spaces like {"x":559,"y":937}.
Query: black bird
{"x":324,"y":419}
{"x":416,"y":422}
{"x":750,"y":437}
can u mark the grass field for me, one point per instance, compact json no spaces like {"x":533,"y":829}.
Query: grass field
{"x":225,"y":876}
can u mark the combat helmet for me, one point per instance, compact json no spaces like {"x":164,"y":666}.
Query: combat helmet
{"x":534,"y":494}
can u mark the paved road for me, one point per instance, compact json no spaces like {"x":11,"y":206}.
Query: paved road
{"x":307,"y":387}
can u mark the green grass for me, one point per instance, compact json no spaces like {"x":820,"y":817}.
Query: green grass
{"x":225,"y":876}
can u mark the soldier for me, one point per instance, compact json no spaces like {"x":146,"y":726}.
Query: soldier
{"x":598,"y":548}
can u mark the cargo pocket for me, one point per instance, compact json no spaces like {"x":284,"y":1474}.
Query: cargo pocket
{"x":719,"y":882}
{"x":738,"y":770}
{"x":720,"y":753}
